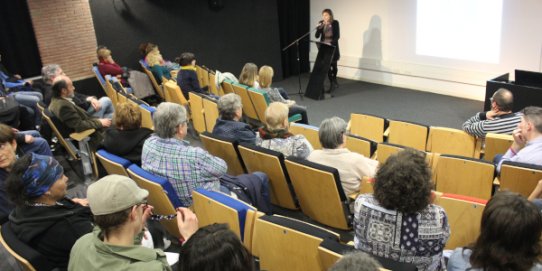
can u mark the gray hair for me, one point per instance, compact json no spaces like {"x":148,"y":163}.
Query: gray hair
{"x":533,"y":114}
{"x":228,"y":105}
{"x":167,"y":118}
{"x":48,"y":72}
{"x":356,"y":261}
{"x":331,"y":132}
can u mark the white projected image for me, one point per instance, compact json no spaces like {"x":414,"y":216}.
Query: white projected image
{"x":459,"y":29}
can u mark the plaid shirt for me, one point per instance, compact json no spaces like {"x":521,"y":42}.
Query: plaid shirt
{"x":184,"y":166}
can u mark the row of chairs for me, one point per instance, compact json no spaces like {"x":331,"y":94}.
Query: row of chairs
{"x":309,"y":247}
{"x":279,"y":242}
{"x":452,"y":173}
{"x":428,"y":138}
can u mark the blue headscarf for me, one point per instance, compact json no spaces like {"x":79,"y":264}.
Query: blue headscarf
{"x":42,"y":172}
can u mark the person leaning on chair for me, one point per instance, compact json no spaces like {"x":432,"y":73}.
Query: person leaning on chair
{"x":71,"y":115}
{"x":499,"y":120}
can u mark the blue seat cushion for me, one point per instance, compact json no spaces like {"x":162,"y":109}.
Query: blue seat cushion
{"x":114,"y":158}
{"x":166,"y":185}
{"x":238,"y":205}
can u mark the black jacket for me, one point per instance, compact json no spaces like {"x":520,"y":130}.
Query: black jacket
{"x":334,"y":39}
{"x":52,"y":230}
{"x":126,"y":143}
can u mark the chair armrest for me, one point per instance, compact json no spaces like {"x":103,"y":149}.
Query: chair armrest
{"x":82,"y":135}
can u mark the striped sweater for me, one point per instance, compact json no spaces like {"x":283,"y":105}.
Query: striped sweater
{"x":479,"y":126}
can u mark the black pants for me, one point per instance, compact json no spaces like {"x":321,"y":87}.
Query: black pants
{"x":332,"y":73}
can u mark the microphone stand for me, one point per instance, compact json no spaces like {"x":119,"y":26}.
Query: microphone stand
{"x":296,"y":42}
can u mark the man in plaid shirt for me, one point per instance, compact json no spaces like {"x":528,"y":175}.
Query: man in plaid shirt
{"x":166,"y":154}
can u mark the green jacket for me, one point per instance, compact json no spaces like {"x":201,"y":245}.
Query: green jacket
{"x":76,"y":119}
{"x":90,"y":253}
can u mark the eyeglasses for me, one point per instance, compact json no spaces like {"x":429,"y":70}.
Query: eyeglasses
{"x":162,"y":217}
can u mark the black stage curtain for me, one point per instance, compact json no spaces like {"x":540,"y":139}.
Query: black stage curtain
{"x":18,"y":44}
{"x":294,"y":19}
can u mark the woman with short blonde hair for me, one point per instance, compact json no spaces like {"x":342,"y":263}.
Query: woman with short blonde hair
{"x":274,"y":94}
{"x":275,"y":135}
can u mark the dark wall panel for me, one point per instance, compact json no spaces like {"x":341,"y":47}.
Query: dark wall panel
{"x":242,"y":31}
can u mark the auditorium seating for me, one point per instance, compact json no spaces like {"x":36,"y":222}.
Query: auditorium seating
{"x":113,"y":164}
{"x":225,"y":149}
{"x":210,"y":110}
{"x":408,"y":134}
{"x":26,"y":256}
{"x":452,"y":141}
{"x":464,"y":217}
{"x":363,"y":146}
{"x":320,"y":193}
{"x":368,"y":126}
{"x":284,"y":244}
{"x":162,"y":196}
{"x":272,"y":163}
{"x":157,"y":87}
{"x":227,"y":86}
{"x":496,"y":144}
{"x":173,"y":93}
{"x":464,"y":176}
{"x":248,"y":107}
{"x":196,"y":112}
{"x":519,"y":177}
{"x":310,"y":132}
{"x":215,"y":207}
{"x":385,"y":150}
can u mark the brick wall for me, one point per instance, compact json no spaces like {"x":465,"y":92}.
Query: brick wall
{"x":65,"y":34}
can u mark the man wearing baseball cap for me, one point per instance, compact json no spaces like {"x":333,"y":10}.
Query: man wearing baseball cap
{"x":120,"y":210}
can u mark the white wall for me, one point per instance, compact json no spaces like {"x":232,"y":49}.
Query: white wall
{"x":378,"y":44}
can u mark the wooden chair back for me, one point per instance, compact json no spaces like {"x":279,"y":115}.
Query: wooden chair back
{"x":452,"y":141}
{"x":310,"y":132}
{"x":248,"y":108}
{"x":464,"y":176}
{"x":519,"y":177}
{"x":161,"y":196}
{"x":320,"y":193}
{"x":369,"y":126}
{"x":287,"y":244}
{"x":271,"y":163}
{"x":227,"y":87}
{"x":363,"y":146}
{"x":408,"y":134}
{"x":385,"y":150}
{"x":496,"y":144}
{"x":225,"y":149}
{"x":157,"y":87}
{"x":464,"y":217}
{"x":174,"y":94}
{"x":113,"y":164}
{"x":196,"y":112}
{"x":211,"y":114}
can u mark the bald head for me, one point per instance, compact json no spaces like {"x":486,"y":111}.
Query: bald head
{"x":63,"y":87}
{"x":504,"y":99}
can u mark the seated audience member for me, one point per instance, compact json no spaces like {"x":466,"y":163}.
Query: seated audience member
{"x":499,"y":120}
{"x":527,"y":145}
{"x":266,"y":78}
{"x":100,"y":108}
{"x":275,"y":135}
{"x":509,"y":237}
{"x":187,"y":78}
{"x":402,"y":192}
{"x":107,"y":65}
{"x":358,"y":261}
{"x":166,"y":154}
{"x":43,"y":217}
{"x":12,"y":145}
{"x":351,"y":166}
{"x":127,"y":137}
{"x":120,"y":211}
{"x":249,"y":75}
{"x":71,"y":115}
{"x":229,"y":125}
{"x":215,"y":247}
{"x":22,"y":92}
{"x":158,"y":66}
